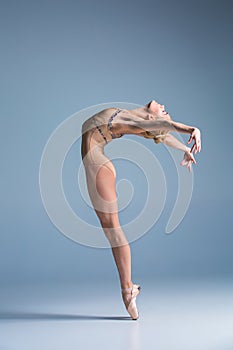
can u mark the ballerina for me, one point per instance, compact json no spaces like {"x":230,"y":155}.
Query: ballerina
{"x":149,"y":121}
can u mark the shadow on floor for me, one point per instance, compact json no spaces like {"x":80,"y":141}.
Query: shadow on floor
{"x":30,"y":316}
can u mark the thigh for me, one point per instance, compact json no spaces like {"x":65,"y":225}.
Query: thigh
{"x":101,"y":179}
{"x":106,"y":181}
{"x":107,"y":211}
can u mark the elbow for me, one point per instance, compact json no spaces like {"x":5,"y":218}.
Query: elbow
{"x":168,"y":125}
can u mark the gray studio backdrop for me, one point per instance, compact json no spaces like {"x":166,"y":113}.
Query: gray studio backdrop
{"x":59,"y":57}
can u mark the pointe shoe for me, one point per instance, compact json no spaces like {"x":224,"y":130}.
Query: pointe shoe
{"x":132,"y":307}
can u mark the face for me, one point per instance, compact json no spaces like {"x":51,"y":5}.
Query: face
{"x":158,"y":109}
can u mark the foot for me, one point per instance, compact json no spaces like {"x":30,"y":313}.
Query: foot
{"x":129,"y":296}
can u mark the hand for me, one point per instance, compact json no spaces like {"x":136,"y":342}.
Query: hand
{"x":188,"y":159}
{"x":196,"y":137}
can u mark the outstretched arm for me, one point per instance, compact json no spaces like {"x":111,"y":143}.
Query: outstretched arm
{"x":161,"y":124}
{"x":170,"y":125}
{"x":195,"y":135}
{"x":172,"y":141}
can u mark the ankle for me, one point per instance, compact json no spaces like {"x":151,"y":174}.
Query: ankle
{"x":126,"y":286}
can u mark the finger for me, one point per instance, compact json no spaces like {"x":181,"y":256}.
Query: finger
{"x":193,"y":148}
{"x":194,"y":160}
{"x":190,"y":139}
{"x":190,"y":167}
{"x":199,"y":146}
{"x":184,"y":162}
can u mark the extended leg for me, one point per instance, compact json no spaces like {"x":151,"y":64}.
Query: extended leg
{"x":105,"y":185}
{"x":122,"y":256}
{"x":104,"y":182}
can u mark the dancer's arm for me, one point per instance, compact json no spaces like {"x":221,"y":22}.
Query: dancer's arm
{"x":172,"y":141}
{"x":195,"y":135}
{"x":188,"y":159}
{"x":170,"y":125}
{"x":161,"y":124}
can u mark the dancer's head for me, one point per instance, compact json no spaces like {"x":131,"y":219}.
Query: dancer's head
{"x":157,"y":109}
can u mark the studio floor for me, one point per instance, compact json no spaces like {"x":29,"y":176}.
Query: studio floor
{"x":173,"y":315}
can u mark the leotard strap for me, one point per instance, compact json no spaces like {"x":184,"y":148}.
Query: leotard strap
{"x":110,"y":124}
{"x":100,"y":131}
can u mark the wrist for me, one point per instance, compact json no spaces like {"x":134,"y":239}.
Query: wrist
{"x":192,"y":129}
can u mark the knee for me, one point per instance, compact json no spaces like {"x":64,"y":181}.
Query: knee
{"x":112,"y":229}
{"x":115,"y":236}
{"x":108,"y":220}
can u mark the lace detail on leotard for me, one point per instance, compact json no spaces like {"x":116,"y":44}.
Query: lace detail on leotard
{"x":110,"y":124}
{"x":100,"y":131}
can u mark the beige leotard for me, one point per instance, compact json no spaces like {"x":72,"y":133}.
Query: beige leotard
{"x":96,"y":133}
